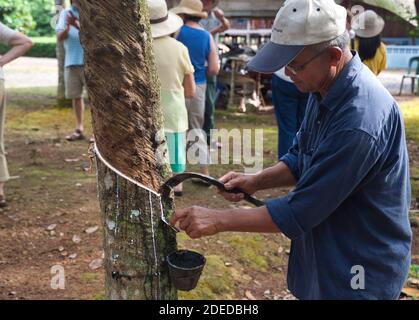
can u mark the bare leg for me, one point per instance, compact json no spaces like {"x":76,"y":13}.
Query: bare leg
{"x":78,"y":106}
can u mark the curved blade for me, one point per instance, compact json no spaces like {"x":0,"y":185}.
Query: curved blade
{"x":179,"y":178}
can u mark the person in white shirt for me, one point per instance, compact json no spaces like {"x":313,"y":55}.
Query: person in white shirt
{"x":19,"y":45}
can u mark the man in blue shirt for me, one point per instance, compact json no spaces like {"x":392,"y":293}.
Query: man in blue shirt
{"x":347,"y":216}
{"x":68,"y":31}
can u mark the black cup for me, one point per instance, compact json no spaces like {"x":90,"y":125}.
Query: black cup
{"x":185,"y":268}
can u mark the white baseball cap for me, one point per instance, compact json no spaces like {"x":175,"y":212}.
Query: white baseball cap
{"x":299,"y":23}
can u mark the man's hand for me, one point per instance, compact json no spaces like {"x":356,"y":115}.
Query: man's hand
{"x":237,"y":180}
{"x":225,"y":24}
{"x":72,"y":21}
{"x":219,"y":14}
{"x":197,"y":222}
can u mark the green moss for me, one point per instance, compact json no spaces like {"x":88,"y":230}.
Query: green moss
{"x":410,"y":110}
{"x":414,"y":271}
{"x":249,"y":249}
{"x":88,"y":276}
{"x":216,"y":282}
{"x":414,"y":181}
{"x":99,"y":296}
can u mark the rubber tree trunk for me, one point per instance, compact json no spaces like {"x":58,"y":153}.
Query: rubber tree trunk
{"x":62,"y":102}
{"x":127,"y":122}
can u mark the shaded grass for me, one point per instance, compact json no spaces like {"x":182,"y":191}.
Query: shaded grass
{"x":410,"y":110}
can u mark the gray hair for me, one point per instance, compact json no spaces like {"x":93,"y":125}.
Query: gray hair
{"x":341,"y":42}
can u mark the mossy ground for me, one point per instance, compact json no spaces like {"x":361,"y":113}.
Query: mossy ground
{"x":51,"y":185}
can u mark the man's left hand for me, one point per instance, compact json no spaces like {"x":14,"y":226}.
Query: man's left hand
{"x":219,"y":14}
{"x":197,"y":222}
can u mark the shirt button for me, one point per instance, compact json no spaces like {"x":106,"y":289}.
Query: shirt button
{"x":319,"y":122}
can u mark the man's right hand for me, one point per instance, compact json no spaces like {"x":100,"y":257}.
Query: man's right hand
{"x":244,"y":182}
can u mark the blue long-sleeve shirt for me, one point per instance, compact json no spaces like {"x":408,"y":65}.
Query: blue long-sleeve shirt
{"x":351,"y":203}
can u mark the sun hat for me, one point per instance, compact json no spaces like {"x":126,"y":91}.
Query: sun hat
{"x":214,"y":3}
{"x":162,"y":22}
{"x":368,"y":24}
{"x":190,"y":7}
{"x":299,"y":23}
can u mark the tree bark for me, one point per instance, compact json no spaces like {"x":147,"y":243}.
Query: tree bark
{"x":127,"y":122}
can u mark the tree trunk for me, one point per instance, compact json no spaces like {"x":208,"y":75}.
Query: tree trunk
{"x":127,"y":123}
{"x":62,"y":102}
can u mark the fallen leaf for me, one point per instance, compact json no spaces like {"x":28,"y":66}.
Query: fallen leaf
{"x":249,"y":295}
{"x":411,"y":292}
{"x":51,"y":227}
{"x":413,"y":282}
{"x":96,"y":264}
{"x":76,"y":239}
{"x":73,"y":256}
{"x":60,"y":248}
{"x":91,"y":230}
{"x":267,"y":294}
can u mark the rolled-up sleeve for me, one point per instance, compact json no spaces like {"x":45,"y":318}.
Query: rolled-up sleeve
{"x":336,"y":168}
{"x":291,"y":159}
{"x":62,"y":21}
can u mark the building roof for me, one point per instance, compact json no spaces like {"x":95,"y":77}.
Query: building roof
{"x":250,"y":9}
{"x":246,"y":8}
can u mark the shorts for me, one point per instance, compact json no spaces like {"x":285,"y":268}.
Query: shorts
{"x":75,"y":82}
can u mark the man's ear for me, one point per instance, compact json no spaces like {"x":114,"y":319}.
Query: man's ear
{"x":335,"y":55}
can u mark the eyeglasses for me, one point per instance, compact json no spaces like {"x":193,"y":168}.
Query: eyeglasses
{"x":295,"y":70}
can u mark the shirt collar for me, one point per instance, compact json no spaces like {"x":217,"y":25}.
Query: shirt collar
{"x":343,"y":80}
{"x":74,"y":9}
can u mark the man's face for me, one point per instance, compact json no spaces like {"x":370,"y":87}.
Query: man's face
{"x":75,"y":3}
{"x":314,"y":73}
{"x":207,"y":5}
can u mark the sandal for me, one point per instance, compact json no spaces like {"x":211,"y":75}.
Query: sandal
{"x":3,"y":202}
{"x":76,"y":135}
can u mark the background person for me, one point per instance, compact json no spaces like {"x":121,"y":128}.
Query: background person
{"x":368,"y":27}
{"x":175,"y":71}
{"x":290,"y":106}
{"x":68,"y":31}
{"x":204,"y":57}
{"x":20,"y":45}
{"x":215,"y":24}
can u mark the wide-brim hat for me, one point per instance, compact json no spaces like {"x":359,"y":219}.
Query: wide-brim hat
{"x":299,"y":23}
{"x":190,"y":7}
{"x":163,"y":22}
{"x":214,"y":3}
{"x":368,"y":24}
